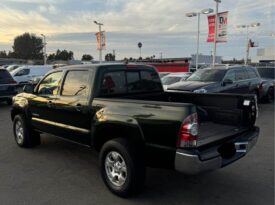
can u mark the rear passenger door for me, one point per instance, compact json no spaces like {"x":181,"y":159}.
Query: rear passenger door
{"x":242,"y":81}
{"x":72,"y":113}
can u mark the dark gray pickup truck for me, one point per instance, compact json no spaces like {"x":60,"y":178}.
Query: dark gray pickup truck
{"x":122,"y":112}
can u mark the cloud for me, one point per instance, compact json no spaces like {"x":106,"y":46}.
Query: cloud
{"x":160,"y":24}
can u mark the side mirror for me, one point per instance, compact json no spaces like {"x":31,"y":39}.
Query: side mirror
{"x":227,"y":82}
{"x":29,"y":88}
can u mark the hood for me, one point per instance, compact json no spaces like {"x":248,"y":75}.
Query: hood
{"x":191,"y":85}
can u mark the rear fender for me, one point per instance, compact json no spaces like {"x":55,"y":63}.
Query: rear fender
{"x":110,"y":126}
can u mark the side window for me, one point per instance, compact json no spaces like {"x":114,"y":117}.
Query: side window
{"x":23,"y":72}
{"x":50,"y":84}
{"x":240,"y":74}
{"x":133,"y":81}
{"x":230,"y":75}
{"x":150,"y":81}
{"x":113,"y":83}
{"x":251,"y":73}
{"x":76,"y":83}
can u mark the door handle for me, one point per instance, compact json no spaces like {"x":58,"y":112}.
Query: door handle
{"x":78,"y":107}
{"x":50,"y":103}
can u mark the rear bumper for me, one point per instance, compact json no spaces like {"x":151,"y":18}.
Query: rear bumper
{"x":199,"y":161}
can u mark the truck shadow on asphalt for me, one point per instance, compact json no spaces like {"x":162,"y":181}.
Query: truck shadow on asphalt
{"x":161,"y":185}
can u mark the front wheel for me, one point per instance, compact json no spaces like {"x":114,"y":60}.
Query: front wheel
{"x":269,"y":96}
{"x":122,"y":167}
{"x":23,"y":134}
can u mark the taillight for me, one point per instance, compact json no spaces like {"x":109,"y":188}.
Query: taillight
{"x":12,"y":82}
{"x":188,"y":135}
{"x":261,"y":86}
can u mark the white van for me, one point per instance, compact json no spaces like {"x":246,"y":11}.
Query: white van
{"x":25,"y":74}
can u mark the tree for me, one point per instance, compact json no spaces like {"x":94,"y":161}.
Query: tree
{"x":87,"y":57}
{"x":61,"y":55}
{"x":3,"y":54}
{"x":110,"y":57}
{"x":28,"y":46}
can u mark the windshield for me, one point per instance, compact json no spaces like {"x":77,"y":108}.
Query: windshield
{"x":266,"y":72}
{"x":210,"y":75}
{"x":170,"y":80}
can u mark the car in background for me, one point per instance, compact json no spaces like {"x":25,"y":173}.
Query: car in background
{"x":24,"y":74}
{"x":174,"y":78}
{"x":222,"y":79}
{"x":268,"y":83}
{"x":163,"y":74}
{"x":10,"y":68}
{"x":7,"y":86}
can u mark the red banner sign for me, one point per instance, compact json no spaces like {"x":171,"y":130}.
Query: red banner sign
{"x":221,"y":29}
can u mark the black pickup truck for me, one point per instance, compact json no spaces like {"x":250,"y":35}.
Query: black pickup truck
{"x":122,"y":112}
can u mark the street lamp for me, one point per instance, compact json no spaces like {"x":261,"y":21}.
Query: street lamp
{"x":216,"y":30}
{"x":44,"y":49}
{"x":100,"y":40}
{"x":247,"y":26}
{"x":194,"y":14}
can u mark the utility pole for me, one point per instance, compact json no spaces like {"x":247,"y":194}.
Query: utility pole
{"x":216,"y":30}
{"x":247,"y":39}
{"x":100,"y":40}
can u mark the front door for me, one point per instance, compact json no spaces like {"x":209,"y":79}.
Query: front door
{"x":41,"y":104}
{"x":73,"y":114}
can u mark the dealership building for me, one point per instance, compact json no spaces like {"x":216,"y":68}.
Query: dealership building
{"x":264,"y":55}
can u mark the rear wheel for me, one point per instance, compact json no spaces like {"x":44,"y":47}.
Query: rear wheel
{"x":24,"y":135}
{"x":122,"y":167}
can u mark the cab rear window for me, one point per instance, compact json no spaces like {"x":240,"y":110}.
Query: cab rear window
{"x":132,"y":81}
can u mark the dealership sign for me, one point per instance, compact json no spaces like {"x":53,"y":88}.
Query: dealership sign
{"x":101,"y":40}
{"x":221,"y":29}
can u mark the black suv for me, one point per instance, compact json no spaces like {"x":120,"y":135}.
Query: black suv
{"x":222,"y":79}
{"x":7,"y":86}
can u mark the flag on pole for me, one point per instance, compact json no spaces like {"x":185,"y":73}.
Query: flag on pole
{"x":221,"y":30}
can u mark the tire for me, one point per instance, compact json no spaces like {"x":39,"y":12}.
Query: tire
{"x":9,"y":101}
{"x":122,"y":167}
{"x":23,"y":134}
{"x":269,"y":97}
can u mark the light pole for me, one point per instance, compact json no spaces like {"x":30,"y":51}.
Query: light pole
{"x":44,"y":49}
{"x":216,"y":30}
{"x":247,"y":38}
{"x":100,"y":40}
{"x":193,"y":14}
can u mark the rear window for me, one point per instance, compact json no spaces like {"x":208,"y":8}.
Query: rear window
{"x":113,"y":83}
{"x":76,"y":83}
{"x":251,"y":73}
{"x":4,"y":75}
{"x":119,"y":82}
{"x":168,"y":80}
{"x":240,"y":75}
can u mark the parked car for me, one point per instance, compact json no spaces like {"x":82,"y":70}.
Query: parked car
{"x":174,"y":78}
{"x":122,"y":112}
{"x":163,"y":74}
{"x":10,"y":68}
{"x":24,"y":74}
{"x":268,"y":83}
{"x":7,"y":86}
{"x":222,"y":79}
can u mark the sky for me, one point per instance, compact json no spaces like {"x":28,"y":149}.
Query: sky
{"x":160,"y":25}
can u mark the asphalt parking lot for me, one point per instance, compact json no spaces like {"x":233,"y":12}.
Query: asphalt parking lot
{"x":60,"y":172}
